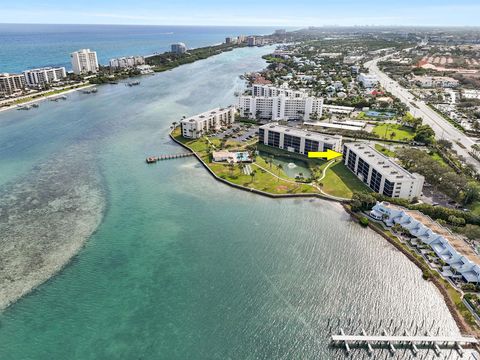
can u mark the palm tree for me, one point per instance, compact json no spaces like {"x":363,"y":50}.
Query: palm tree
{"x":279,"y":167}
{"x":241,"y":166}
{"x":252,"y":174}
{"x":231,"y":167}
{"x":475,"y":149}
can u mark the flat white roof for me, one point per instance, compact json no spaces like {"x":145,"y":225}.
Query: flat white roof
{"x":378,"y":160}
{"x":360,"y":124}
{"x":301,"y":133}
{"x":327,"y":106}
{"x":44,"y":68}
{"x":207,"y":114}
{"x":333,"y":126}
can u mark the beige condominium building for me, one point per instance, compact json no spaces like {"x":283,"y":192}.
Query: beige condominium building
{"x":201,"y":124}
{"x":42,"y":76}
{"x":11,"y":83}
{"x":84,"y":61}
{"x":279,"y":103}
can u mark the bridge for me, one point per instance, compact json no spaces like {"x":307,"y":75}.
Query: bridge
{"x":406,"y":340}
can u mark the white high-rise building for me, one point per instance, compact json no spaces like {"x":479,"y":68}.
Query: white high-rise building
{"x":201,"y":124}
{"x":127,"y":62}
{"x":251,"y":41}
{"x":279,"y":103}
{"x":11,"y":83}
{"x":280,"y":107}
{"x":380,"y":173}
{"x":84,"y":61}
{"x":179,"y":48}
{"x":42,"y":76}
{"x":269,"y":90}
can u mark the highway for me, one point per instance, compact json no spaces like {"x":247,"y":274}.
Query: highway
{"x":443,"y":129}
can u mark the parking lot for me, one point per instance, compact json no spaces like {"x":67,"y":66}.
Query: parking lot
{"x":238,"y":132}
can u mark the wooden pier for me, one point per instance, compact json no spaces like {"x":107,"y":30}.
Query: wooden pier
{"x":154,"y":159}
{"x":392,"y":342}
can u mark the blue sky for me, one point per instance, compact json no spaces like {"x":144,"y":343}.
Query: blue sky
{"x":244,"y":12}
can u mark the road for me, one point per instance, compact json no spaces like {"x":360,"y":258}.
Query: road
{"x":443,"y":129}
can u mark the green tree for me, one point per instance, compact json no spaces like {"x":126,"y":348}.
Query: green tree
{"x":424,"y":134}
{"x":231,"y":166}
{"x":444,"y":144}
{"x":252,"y":175}
{"x":471,"y":231}
{"x":456,"y":221}
{"x":471,"y":193}
{"x":362,"y":201}
{"x":279,"y":167}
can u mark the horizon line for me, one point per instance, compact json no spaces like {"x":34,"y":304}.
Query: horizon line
{"x":249,"y":26}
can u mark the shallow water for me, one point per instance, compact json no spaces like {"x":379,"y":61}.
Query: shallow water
{"x":181,"y":266}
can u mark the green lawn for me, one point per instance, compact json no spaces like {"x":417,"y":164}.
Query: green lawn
{"x":435,"y":156}
{"x":393,"y":132}
{"x":340,"y":181}
{"x":272,"y":168}
{"x":384,"y":150}
{"x":262,"y":180}
{"x":475,"y":208}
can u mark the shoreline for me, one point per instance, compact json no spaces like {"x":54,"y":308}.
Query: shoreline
{"x":256,"y":191}
{"x":19,"y":288}
{"x":42,"y":98}
{"x":461,"y":323}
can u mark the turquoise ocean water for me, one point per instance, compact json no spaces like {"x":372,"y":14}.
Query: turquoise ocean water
{"x":26,"y":46}
{"x":181,"y":266}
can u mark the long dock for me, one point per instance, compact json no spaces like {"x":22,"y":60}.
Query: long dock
{"x":404,"y":339}
{"x":154,"y":159}
{"x":391,"y":342}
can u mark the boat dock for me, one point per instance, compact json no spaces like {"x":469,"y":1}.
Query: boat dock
{"x":154,"y":159}
{"x":392,"y":342}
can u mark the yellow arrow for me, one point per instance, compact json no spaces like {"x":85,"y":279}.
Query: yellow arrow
{"x":329,"y":154}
